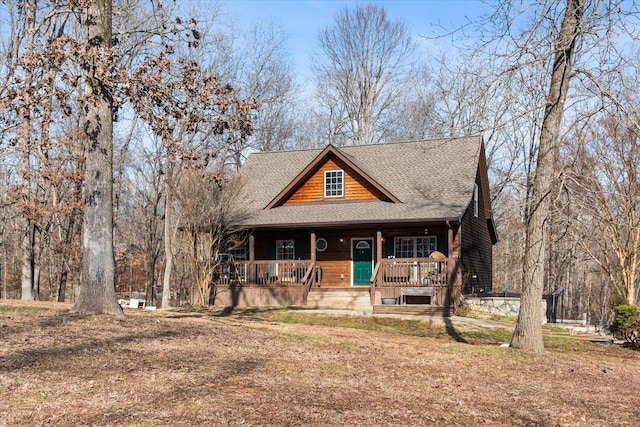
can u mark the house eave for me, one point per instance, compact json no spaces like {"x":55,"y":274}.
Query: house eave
{"x":337,"y":224}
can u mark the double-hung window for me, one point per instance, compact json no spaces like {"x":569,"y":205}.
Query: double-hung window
{"x":414,"y":247}
{"x":334,"y":183}
{"x":285,"y":249}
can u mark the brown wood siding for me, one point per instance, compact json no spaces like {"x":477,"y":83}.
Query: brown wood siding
{"x":335,"y":261}
{"x":477,"y":257}
{"x":335,"y":274}
{"x":355,"y":187}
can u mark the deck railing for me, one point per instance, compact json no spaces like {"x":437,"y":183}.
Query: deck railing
{"x":390,"y":272}
{"x":266,"y":273}
{"x":400,"y":276}
{"x":412,"y":272}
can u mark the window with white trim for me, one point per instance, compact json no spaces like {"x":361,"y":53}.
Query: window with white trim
{"x":415,"y":247}
{"x":285,"y":249}
{"x":334,"y":183}
{"x":475,"y":200}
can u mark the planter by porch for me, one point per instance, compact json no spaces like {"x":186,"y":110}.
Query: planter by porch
{"x":388,"y":300}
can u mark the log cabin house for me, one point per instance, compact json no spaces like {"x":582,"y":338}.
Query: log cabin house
{"x":403,"y":223}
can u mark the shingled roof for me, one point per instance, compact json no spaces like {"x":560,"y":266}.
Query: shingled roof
{"x":433,"y":180}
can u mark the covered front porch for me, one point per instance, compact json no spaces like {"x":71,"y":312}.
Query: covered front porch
{"x":342,"y":259}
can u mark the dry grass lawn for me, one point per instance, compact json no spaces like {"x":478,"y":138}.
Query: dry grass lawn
{"x":278,"y":368}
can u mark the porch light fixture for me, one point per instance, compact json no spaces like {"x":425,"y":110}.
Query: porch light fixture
{"x":342,"y":240}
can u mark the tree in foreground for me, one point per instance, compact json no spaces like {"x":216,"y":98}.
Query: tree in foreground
{"x":527,"y":334}
{"x":97,"y":291}
{"x":559,"y":42}
{"x":540,"y":48}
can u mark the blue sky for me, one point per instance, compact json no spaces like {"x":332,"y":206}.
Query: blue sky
{"x":303,"y":19}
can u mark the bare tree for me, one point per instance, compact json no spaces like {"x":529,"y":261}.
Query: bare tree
{"x":539,"y":48}
{"x":187,"y":108}
{"x":140,"y":222}
{"x":528,"y":332}
{"x":605,"y":188}
{"x":265,"y":76}
{"x":366,"y":55}
{"x":211,"y":218}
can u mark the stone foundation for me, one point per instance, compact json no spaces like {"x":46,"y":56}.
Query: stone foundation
{"x":508,"y":306}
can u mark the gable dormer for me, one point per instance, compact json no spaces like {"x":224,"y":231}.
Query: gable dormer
{"x":331,"y":177}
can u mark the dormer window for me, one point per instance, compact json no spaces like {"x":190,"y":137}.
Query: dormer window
{"x":334,"y":183}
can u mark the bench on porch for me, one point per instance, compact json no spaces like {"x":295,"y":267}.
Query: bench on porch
{"x":422,"y":291}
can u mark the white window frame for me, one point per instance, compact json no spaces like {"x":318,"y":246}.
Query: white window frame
{"x":285,"y":244}
{"x":329,"y":191}
{"x":475,"y":200}
{"x":414,"y":243}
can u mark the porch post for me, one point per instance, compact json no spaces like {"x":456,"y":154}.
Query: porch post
{"x":313,"y":256}
{"x":372,"y":290}
{"x":450,"y":265}
{"x":313,"y":246}
{"x":252,"y":257}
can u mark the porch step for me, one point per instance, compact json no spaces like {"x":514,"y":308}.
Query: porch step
{"x":340,"y":299}
{"x":412,"y":309}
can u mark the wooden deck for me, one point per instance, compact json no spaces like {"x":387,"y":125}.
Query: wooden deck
{"x":411,"y":281}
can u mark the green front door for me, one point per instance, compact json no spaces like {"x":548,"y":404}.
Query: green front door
{"x":362,"y":261}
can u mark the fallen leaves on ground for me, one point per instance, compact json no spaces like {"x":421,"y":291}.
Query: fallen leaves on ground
{"x":173,"y":368}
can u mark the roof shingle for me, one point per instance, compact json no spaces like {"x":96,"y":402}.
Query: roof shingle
{"x":433,"y":179}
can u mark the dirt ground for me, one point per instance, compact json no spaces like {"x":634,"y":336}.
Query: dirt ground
{"x":249,"y":368}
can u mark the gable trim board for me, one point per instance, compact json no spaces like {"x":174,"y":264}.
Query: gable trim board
{"x":314,"y":166}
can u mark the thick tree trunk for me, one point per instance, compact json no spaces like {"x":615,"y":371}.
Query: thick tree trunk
{"x":4,"y":274}
{"x":168,"y":235}
{"x":26,"y":131}
{"x":26,"y":277}
{"x":97,"y":291}
{"x":168,"y":267}
{"x":528,"y":331}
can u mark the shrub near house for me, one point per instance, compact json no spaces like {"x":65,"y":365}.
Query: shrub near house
{"x":626,"y":324}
